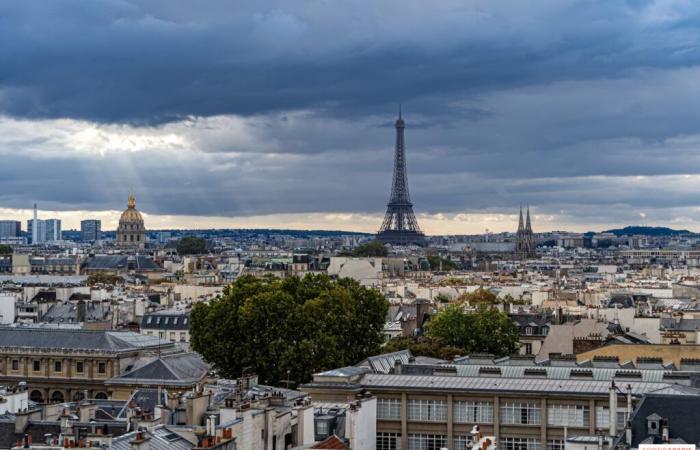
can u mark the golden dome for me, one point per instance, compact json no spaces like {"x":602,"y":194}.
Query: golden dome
{"x":131,"y":214}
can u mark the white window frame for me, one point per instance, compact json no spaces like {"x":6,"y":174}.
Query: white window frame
{"x":559,"y":415}
{"x":388,"y":441}
{"x":521,"y":413}
{"x":421,"y":441}
{"x":519,"y":443}
{"x":467,"y":411}
{"x":388,"y":409}
{"x":427,"y":410}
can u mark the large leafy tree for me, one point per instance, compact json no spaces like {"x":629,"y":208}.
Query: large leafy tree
{"x":440,"y":263}
{"x":288,"y":329}
{"x":485,"y":331}
{"x":191,"y":245}
{"x":423,"y":346}
{"x":479,"y":296}
{"x":373,"y":248}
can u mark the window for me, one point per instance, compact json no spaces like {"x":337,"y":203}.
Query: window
{"x":184,"y":322}
{"x":426,"y":441}
{"x":388,"y":441}
{"x":544,"y":331}
{"x":176,"y":320}
{"x":79,"y":367}
{"x":528,"y":349}
{"x":388,"y":409}
{"x":514,"y":443}
{"x":555,"y":444}
{"x":57,"y":366}
{"x":161,"y":335}
{"x":520,"y":414}
{"x":36,"y":365}
{"x":157,"y":320}
{"x":462,"y":443}
{"x":602,"y":418}
{"x":528,"y":331}
{"x":472,"y":412}
{"x":183,"y":337}
{"x":15,"y":364}
{"x":568,"y":415}
{"x":427,"y":410}
{"x":167,"y":319}
{"x":101,"y":367}
{"x":322,"y":428}
{"x":172,"y":335}
{"x":148,"y":320}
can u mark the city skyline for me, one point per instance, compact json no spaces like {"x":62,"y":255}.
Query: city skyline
{"x":225,"y":119}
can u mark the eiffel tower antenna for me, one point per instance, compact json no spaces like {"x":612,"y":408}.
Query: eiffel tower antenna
{"x":400,"y":226}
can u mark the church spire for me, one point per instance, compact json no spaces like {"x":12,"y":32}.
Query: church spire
{"x":528,"y":225}
{"x":132,"y":200}
{"x":520,"y":222}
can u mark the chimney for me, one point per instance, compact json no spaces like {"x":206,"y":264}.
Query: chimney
{"x":87,"y":411}
{"x":613,"y":409}
{"x":211,"y":425}
{"x":82,"y":311}
{"x":140,"y":441}
{"x":398,"y":367}
{"x":629,"y":402}
{"x":21,"y":421}
{"x":664,"y":431}
{"x":422,"y":313}
{"x":628,"y":434}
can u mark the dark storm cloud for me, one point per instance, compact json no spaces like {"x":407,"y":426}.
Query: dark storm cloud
{"x":287,"y":106}
{"x":149,"y":61}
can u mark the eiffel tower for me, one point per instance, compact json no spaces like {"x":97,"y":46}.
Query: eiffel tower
{"x":400,"y":226}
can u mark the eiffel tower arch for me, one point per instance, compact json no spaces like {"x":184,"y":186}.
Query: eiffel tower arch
{"x":400,"y":226}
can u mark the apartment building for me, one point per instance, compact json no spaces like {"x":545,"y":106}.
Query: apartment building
{"x":62,"y":364}
{"x":524,"y":407}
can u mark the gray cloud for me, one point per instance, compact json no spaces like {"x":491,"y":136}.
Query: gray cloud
{"x":286,"y":107}
{"x":152,"y":61}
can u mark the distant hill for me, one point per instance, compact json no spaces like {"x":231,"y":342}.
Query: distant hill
{"x":647,"y":231}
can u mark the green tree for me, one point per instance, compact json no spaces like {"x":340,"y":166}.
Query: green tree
{"x":440,"y":263}
{"x":485,"y":331}
{"x":288,"y":329}
{"x":191,"y":245}
{"x":453,"y":326}
{"x":103,"y":278}
{"x":5,"y":249}
{"x":370,"y":249}
{"x":423,"y":346}
{"x":480,"y":296}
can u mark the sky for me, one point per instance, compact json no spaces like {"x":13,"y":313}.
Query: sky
{"x":280,"y":113}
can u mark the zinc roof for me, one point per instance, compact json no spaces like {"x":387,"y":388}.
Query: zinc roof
{"x":491,"y":384}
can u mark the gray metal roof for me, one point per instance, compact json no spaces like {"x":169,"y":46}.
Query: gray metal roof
{"x":490,"y":384}
{"x":178,"y":369}
{"x":68,"y":312}
{"x":161,"y":438}
{"x":61,"y":338}
{"x":49,"y":280}
{"x":384,"y":363}
{"x":561,"y":373}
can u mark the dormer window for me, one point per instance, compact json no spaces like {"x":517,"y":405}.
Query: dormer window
{"x":528,"y":331}
{"x":653,"y":424}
